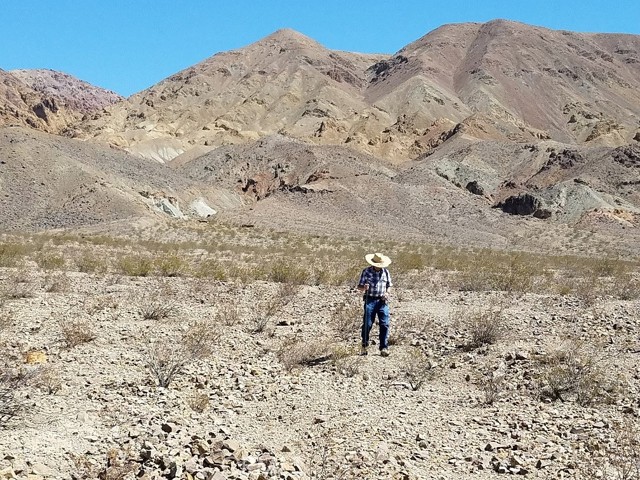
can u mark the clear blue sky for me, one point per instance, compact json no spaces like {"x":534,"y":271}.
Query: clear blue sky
{"x":129,"y":45}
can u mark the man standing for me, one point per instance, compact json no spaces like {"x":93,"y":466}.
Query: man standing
{"x":374,"y":283}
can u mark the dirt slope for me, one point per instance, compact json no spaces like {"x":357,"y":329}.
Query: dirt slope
{"x":48,"y":181}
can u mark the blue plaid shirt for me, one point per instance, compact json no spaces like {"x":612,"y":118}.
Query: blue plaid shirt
{"x":378,"y":281}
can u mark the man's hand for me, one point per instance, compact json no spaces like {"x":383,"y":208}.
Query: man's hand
{"x":363,"y":288}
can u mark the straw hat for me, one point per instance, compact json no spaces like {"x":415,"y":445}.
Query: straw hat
{"x":377,"y":260}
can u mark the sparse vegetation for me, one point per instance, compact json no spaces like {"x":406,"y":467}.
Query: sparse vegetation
{"x":157,"y":307}
{"x":484,"y":325}
{"x":48,"y":260}
{"x":298,"y":352}
{"x":198,"y":401}
{"x":135,"y":266}
{"x":56,"y":282}
{"x":76,"y":332}
{"x":119,"y":464}
{"x":171,"y":265}
{"x":12,"y":384}
{"x":617,"y":457}
{"x":346,"y":322}
{"x":580,"y":372}
{"x":91,"y":263}
{"x":418,"y":368}
{"x":167,"y":358}
{"x":12,"y":253}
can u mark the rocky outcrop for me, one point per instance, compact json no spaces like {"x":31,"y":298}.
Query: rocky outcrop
{"x":524,"y":204}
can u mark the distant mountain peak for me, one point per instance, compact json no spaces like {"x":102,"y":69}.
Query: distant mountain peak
{"x":287,"y":37}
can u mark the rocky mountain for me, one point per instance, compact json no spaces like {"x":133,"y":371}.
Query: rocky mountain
{"x":47,"y":100}
{"x":73,"y":93}
{"x":507,"y":80}
{"x":484,"y":134}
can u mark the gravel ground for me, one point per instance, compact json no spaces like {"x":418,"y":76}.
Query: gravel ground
{"x":240,"y":413}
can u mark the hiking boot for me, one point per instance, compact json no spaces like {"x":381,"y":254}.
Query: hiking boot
{"x":384,"y":352}
{"x":363,"y":350}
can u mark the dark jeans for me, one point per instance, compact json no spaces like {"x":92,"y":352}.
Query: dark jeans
{"x":373,"y":307}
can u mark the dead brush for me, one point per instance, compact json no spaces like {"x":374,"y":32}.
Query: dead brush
{"x":229,"y":314}
{"x":580,"y":372}
{"x":492,"y":385}
{"x":346,"y":321}
{"x":166,"y":358}
{"x":626,"y":287}
{"x":346,"y":360}
{"x":158,"y":305}
{"x":100,"y":304}
{"x":11,"y":384}
{"x":617,"y":457}
{"x":484,"y":325}
{"x":297,"y":352}
{"x":171,"y":265}
{"x":408,"y":328}
{"x":272,"y":305}
{"x":198,"y":401}
{"x":135,"y":265}
{"x":56,"y":282}
{"x":119,"y":464}
{"x":418,"y":368}
{"x":11,"y":254}
{"x":48,"y":260}
{"x":48,"y":379}
{"x":76,"y":332}
{"x":90,"y":263}
{"x":19,"y":284}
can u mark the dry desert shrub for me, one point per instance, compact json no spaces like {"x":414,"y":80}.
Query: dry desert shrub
{"x":48,"y":379}
{"x":269,"y":307}
{"x":492,"y":385}
{"x":405,"y":261}
{"x":418,"y":368}
{"x":157,"y":307}
{"x":99,"y":304}
{"x":616,"y":458}
{"x":580,"y":372}
{"x":76,"y":332}
{"x":135,"y":265}
{"x":210,"y":269}
{"x":171,"y":265}
{"x":626,"y":287}
{"x":11,"y":384}
{"x":118,"y":465}
{"x":198,"y":401}
{"x":48,"y":260}
{"x":288,"y":271}
{"x":11,"y":254}
{"x":409,"y":327}
{"x":56,"y":282}
{"x":484,"y":325}
{"x":484,"y":273}
{"x":91,"y":263}
{"x":19,"y":284}
{"x":346,"y":322}
{"x":346,"y":360}
{"x":168,"y":357}
{"x":229,"y":314}
{"x":298,"y":352}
